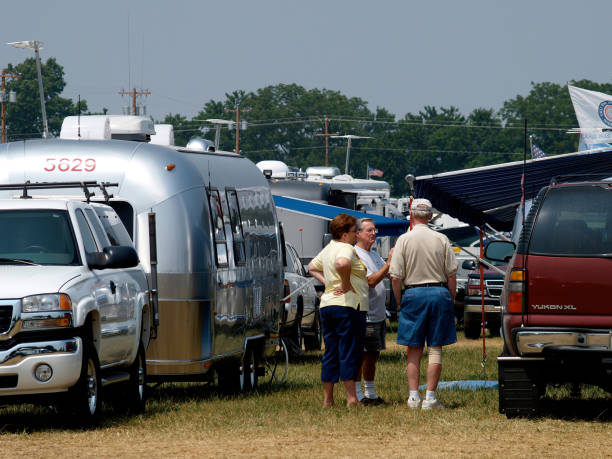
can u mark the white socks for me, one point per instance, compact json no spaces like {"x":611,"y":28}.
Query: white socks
{"x":370,"y":392}
{"x":414,"y":395}
{"x":358,"y":391}
{"x":430,"y":395}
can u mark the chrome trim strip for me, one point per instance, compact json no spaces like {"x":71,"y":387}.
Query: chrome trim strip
{"x":534,"y":341}
{"x":121,"y":331}
{"x":478,"y":308}
{"x":183,"y":362}
{"x":21,"y":351}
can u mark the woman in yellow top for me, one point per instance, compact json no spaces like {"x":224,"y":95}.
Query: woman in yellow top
{"x":343,"y":307}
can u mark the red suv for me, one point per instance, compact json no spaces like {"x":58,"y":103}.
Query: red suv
{"x":556,"y":300}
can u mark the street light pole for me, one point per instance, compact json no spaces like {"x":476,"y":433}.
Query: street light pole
{"x":40,"y":90}
{"x":36,"y":46}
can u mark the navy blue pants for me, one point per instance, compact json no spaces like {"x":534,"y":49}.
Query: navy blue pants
{"x":343,"y":328}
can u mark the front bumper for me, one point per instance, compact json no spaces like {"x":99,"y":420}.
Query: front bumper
{"x":18,"y":365}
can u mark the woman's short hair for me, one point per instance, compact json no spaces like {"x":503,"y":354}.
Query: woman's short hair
{"x":341,"y":224}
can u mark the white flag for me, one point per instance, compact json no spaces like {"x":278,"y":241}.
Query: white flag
{"x":594,"y":113}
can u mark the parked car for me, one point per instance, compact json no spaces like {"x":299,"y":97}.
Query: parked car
{"x":472,"y":311}
{"x":556,"y":314}
{"x":301,"y":321}
{"x":74,"y":306}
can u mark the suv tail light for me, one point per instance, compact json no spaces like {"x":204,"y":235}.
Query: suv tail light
{"x":516,"y":290}
{"x":286,"y":292}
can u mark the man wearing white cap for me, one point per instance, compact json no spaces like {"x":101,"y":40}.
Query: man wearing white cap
{"x":424,"y":267}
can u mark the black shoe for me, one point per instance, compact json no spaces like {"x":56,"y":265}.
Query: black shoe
{"x":372,"y":401}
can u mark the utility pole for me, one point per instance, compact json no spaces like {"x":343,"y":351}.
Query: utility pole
{"x":134,"y":93}
{"x":327,"y":135}
{"x":237,"y":111}
{"x":2,"y":98}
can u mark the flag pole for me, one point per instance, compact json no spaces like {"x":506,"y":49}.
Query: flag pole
{"x":523,"y":206}
{"x":531,"y":145}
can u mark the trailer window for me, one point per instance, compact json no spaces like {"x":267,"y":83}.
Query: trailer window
{"x":216,"y":214}
{"x":234,"y":210}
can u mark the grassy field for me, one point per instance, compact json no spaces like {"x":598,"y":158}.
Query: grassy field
{"x":185,"y":420}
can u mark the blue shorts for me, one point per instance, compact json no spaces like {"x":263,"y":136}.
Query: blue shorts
{"x":343,"y":329}
{"x":427,"y":315}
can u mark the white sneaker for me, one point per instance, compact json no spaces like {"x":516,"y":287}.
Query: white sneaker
{"x":432,"y":405}
{"x":414,"y":403}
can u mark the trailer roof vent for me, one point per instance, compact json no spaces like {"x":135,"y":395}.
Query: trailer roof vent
{"x":200,"y":144}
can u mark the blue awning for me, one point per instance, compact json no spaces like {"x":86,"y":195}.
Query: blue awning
{"x":491,"y":194}
{"x":386,"y":226}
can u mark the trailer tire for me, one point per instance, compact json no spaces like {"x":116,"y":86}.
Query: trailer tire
{"x":248,"y":371}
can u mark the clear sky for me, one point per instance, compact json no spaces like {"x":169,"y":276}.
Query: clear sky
{"x":400,"y":55}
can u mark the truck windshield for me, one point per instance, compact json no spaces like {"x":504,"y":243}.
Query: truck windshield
{"x":40,"y":236}
{"x":574,"y":221}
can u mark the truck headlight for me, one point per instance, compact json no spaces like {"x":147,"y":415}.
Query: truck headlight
{"x":47,"y":302}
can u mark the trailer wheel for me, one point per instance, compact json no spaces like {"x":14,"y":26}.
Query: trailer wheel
{"x":136,"y":390}
{"x":248,"y":371}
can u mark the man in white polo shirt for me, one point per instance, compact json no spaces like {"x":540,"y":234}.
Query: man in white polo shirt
{"x":376,"y":326}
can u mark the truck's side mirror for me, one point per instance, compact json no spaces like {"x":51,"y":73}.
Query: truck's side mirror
{"x":469,"y":265}
{"x":114,"y":257}
{"x":500,"y":250}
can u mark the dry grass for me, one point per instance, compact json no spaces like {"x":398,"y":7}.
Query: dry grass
{"x":186,"y":420}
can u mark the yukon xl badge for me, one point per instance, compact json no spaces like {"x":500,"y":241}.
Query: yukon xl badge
{"x":605,"y":112}
{"x":555,"y":307}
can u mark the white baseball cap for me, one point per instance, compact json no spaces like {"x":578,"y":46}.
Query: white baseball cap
{"x":421,"y":204}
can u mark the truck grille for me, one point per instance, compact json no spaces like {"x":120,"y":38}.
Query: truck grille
{"x":6,"y":316}
{"x":494,"y":287}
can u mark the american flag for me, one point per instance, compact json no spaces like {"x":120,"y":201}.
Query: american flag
{"x":536,"y":152}
{"x":374,"y":172}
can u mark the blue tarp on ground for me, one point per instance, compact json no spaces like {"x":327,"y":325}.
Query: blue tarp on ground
{"x":465,"y":385}
{"x":386,"y":226}
{"x":491,"y":194}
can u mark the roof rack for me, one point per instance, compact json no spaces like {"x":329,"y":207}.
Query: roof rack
{"x":580,"y":177}
{"x":85,"y":186}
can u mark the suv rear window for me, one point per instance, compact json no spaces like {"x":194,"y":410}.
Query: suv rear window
{"x":574,"y":221}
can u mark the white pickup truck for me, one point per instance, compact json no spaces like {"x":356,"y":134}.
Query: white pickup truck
{"x":74,"y":306}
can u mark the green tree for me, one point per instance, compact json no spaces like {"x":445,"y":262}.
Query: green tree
{"x":24,"y":118}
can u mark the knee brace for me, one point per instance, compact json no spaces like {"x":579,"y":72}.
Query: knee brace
{"x":435,"y":354}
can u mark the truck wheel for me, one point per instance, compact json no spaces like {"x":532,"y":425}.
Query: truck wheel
{"x":84,"y":396}
{"x":471,"y":327}
{"x":313,"y":342}
{"x":136,"y":389}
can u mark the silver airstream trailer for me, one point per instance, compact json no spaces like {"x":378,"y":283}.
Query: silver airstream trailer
{"x":219,"y":259}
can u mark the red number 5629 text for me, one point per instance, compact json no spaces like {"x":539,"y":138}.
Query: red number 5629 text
{"x":70,"y":165}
